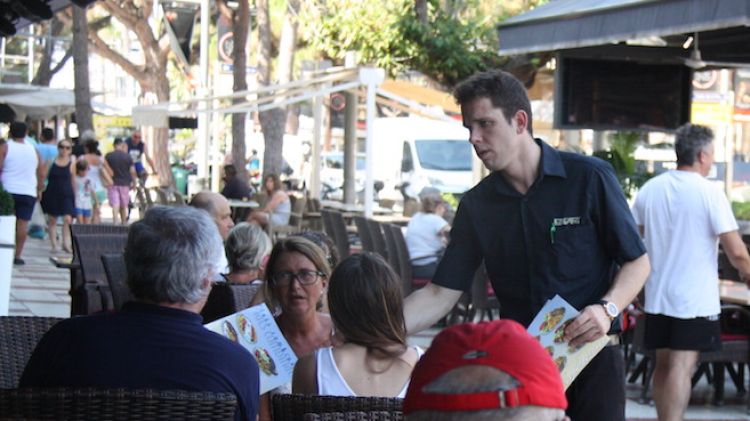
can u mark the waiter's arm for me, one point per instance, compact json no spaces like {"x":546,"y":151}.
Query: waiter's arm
{"x":593,"y":322}
{"x":425,"y":306}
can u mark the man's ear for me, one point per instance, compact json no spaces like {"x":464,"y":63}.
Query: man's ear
{"x":522,"y":120}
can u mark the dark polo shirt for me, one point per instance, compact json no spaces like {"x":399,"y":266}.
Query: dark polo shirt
{"x":567,"y":235}
{"x":145,"y":346}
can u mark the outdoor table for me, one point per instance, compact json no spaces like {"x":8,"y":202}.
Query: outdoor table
{"x":394,"y":219}
{"x":734,"y":292}
{"x":239,"y":207}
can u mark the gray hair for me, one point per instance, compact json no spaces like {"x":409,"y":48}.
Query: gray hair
{"x":246,"y":246}
{"x":691,"y":140}
{"x":169,"y":254}
{"x":478,"y":378}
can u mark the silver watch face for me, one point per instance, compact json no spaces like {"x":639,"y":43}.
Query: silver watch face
{"x":611,"y":309}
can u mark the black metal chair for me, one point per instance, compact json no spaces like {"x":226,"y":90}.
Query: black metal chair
{"x":228,"y":298}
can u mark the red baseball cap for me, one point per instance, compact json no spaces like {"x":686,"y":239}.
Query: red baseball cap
{"x":501,"y":344}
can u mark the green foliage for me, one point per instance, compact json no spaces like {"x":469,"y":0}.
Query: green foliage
{"x":741,"y":210}
{"x":6,"y":203}
{"x":449,"y":47}
{"x":621,"y":156}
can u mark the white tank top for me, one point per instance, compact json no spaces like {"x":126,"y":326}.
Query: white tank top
{"x":19,"y":169}
{"x":330,"y":380}
{"x":95,"y":177}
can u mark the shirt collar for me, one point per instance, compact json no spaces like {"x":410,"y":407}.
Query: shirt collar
{"x":550,"y":165}
{"x":157,"y":310}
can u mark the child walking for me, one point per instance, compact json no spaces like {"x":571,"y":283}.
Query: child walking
{"x":85,"y":197}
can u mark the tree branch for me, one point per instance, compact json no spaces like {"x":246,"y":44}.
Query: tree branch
{"x":101,"y":48}
{"x":59,"y":65}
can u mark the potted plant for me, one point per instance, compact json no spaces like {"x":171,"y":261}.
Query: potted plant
{"x":7,"y":247}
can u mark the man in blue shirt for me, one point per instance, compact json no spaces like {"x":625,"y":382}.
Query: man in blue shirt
{"x":158,"y":341}
{"x":543,"y":222}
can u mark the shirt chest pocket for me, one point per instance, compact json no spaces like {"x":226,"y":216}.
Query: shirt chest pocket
{"x":573,"y":249}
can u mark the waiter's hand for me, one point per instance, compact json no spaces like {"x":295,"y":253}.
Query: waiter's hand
{"x":590,"y":325}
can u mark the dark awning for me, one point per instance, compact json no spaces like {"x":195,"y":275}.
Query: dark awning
{"x":568,"y":24}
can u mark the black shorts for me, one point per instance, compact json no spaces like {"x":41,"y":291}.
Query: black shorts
{"x":698,"y":334}
{"x":24,"y":206}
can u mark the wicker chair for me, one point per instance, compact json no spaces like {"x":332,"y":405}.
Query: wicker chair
{"x":295,"y":221}
{"x":87,"y":229}
{"x":228,"y":298}
{"x":115,"y":404}
{"x":356,"y":416}
{"x":335,"y":227}
{"x":18,"y":338}
{"x":378,"y":238}
{"x":117,"y":274}
{"x":93,"y":293}
{"x":365,"y":235}
{"x":294,"y":407}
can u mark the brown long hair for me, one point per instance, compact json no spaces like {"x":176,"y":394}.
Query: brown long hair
{"x":367,"y":305}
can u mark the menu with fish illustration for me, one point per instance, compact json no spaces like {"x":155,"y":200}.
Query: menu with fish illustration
{"x":255,"y":329}
{"x":548,"y":327}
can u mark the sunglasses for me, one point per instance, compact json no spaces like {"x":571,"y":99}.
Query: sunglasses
{"x":64,"y":147}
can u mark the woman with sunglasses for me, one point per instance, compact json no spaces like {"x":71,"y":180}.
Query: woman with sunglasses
{"x":296,"y":279}
{"x":367,"y":308}
{"x":58,"y":199}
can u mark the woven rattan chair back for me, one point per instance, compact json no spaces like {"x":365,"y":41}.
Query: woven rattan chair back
{"x":356,"y":416}
{"x":378,"y":238}
{"x":338,"y":227}
{"x":227,"y":298}
{"x":294,"y":407}
{"x":18,"y":338}
{"x":115,"y":404}
{"x":390,"y":243}
{"x":364,"y":232}
{"x":89,"y":249}
{"x":117,"y":278}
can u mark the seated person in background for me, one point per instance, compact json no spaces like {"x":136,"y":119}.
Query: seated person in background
{"x":218,"y":208}
{"x":426,"y":236}
{"x":277,"y":209}
{"x":157,"y":341}
{"x":486,"y":371}
{"x":296,"y":278}
{"x":247,"y":249}
{"x":234,"y":187}
{"x":366,"y":303}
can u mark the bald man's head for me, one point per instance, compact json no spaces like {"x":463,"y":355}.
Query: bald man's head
{"x":218,"y":207}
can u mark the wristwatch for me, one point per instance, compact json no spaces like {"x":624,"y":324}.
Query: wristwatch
{"x":610,"y":309}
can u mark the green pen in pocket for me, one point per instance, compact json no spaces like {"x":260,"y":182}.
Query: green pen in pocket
{"x":552,"y":230}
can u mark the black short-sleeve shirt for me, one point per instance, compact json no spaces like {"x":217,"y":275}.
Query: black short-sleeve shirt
{"x":567,"y":235}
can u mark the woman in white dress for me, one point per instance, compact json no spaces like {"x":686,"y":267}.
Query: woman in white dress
{"x":366,"y":304}
{"x":100,"y":176}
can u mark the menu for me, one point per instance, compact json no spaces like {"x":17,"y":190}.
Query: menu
{"x":255,"y":329}
{"x":548,"y":327}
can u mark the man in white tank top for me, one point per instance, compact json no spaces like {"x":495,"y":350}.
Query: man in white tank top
{"x":22,"y":173}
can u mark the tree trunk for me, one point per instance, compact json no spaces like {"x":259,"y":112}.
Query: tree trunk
{"x":159,"y":141}
{"x":287,"y":47}
{"x":420,"y":8}
{"x":81,"y":73}
{"x":240,"y":23}
{"x":272,"y":122}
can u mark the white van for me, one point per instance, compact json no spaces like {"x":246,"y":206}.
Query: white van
{"x":422,"y":152}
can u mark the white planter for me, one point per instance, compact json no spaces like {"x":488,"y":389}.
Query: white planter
{"x":7,"y":251}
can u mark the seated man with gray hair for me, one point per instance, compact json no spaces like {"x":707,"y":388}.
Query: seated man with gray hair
{"x":157,"y":341}
{"x":485,"y":371}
